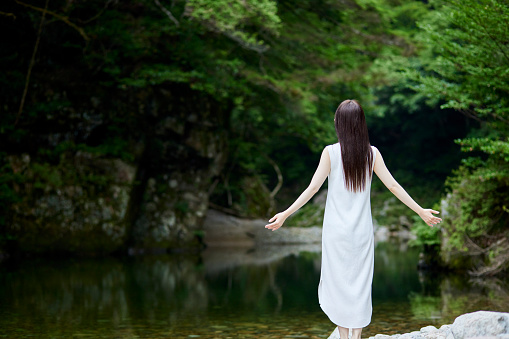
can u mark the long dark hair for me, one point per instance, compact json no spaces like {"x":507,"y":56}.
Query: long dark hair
{"x":356,"y":151}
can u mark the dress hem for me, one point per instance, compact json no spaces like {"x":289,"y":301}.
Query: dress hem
{"x":337,"y":323}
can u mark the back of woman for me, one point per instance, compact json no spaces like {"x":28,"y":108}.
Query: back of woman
{"x":347,"y":236}
{"x":344,"y":290}
{"x":347,"y":213}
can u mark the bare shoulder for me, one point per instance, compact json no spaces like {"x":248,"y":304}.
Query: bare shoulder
{"x":375,"y":151}
{"x":326,"y":151}
{"x":378,"y":159}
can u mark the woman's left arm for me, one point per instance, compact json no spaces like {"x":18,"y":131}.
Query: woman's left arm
{"x":322,"y":171}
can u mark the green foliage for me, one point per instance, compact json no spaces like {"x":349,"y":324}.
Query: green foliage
{"x":425,"y":235}
{"x":68,"y":171}
{"x":498,"y":156}
{"x":465,"y":58}
{"x":462,"y":64}
{"x":233,"y":17}
{"x":477,"y":207}
{"x":319,"y":59}
{"x":51,"y":169}
{"x":277,"y":70}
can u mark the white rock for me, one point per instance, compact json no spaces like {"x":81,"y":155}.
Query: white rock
{"x":429,"y":329}
{"x":444,"y":328}
{"x":412,"y":335}
{"x":382,"y":336}
{"x":481,"y":324}
{"x":477,"y":325}
{"x":445,"y":332}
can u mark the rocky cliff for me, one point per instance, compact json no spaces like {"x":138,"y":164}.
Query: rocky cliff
{"x":78,"y":187}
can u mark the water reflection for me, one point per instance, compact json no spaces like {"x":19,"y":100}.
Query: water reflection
{"x":260,"y":292}
{"x":454,"y":294}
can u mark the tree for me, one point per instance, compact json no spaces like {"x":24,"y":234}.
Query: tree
{"x":463,"y":64}
{"x":178,"y":88}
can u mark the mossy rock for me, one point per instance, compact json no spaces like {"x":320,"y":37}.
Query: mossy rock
{"x":73,"y":212}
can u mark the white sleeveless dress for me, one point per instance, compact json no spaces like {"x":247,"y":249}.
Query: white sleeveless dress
{"x":344,"y":291}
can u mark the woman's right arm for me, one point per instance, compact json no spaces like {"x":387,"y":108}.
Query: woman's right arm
{"x":321,"y":173}
{"x":386,"y":177}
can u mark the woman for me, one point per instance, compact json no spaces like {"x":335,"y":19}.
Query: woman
{"x":344,"y":291}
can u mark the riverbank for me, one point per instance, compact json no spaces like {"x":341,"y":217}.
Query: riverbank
{"x":223,"y":230}
{"x":481,"y":324}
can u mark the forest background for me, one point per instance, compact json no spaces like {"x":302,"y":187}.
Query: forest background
{"x":123,"y":122}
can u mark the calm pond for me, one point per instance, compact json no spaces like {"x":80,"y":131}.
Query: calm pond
{"x":237,"y":293}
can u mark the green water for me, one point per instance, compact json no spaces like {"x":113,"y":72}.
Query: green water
{"x":236,"y":293}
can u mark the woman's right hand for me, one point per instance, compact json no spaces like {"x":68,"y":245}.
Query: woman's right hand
{"x":429,"y":218}
{"x":276,"y":221}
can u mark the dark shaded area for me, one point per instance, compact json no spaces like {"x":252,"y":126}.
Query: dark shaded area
{"x":417,"y":141}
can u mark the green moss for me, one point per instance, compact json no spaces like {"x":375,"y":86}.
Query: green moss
{"x":74,"y":202}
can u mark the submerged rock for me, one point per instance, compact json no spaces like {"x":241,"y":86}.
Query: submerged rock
{"x":481,"y":324}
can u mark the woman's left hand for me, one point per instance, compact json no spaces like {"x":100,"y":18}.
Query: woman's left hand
{"x":429,"y":218}
{"x":276,"y":221}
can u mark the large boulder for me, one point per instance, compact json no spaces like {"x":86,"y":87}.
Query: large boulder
{"x":78,"y":206}
{"x":481,"y":324}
